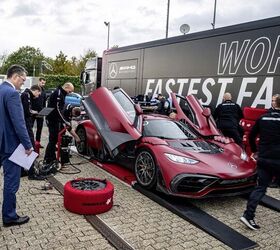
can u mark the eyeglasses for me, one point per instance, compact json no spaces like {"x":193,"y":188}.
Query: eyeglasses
{"x":22,"y":78}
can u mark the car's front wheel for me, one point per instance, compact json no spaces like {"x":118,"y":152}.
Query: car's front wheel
{"x":145,"y":169}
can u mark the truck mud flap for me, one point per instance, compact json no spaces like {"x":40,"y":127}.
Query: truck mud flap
{"x":200,"y":219}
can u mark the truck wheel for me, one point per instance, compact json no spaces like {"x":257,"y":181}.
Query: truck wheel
{"x":82,"y":146}
{"x":88,"y":196}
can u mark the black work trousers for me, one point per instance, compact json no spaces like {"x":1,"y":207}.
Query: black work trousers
{"x":265,"y":175}
{"x":39,"y":126}
{"x":28,"y":123}
{"x":54,"y":127}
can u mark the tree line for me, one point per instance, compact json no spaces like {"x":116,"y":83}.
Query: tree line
{"x":34,"y":61}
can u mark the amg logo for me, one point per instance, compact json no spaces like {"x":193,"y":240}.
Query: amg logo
{"x":131,"y":67}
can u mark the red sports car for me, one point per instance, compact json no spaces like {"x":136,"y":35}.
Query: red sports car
{"x":186,"y":156}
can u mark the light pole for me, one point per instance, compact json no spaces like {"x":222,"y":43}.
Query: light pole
{"x":108,"y":37}
{"x":214,"y":17}
{"x":167,"y":19}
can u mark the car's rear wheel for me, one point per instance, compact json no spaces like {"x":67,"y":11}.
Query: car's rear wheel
{"x":145,"y":169}
{"x":82,"y":145}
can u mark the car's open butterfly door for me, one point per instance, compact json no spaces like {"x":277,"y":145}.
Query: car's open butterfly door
{"x":190,"y":111}
{"x":114,"y":115}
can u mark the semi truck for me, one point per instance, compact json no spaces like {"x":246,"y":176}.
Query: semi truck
{"x":242,"y":59}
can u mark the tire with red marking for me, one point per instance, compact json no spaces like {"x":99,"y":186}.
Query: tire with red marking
{"x":88,"y":196}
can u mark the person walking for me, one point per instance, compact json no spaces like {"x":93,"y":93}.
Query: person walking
{"x":54,"y":119}
{"x":12,"y":132}
{"x":267,"y":127}
{"x":227,"y":116}
{"x":38,"y":104}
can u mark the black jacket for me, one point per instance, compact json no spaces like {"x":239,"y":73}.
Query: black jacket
{"x":27,"y":99}
{"x":228,"y":115}
{"x":56,"y":101}
{"x":163,"y":107}
{"x":268,"y":129}
{"x":39,"y":103}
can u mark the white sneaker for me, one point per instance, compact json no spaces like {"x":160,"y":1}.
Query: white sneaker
{"x":250,"y":223}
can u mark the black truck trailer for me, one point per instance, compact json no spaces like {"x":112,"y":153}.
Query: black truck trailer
{"x":242,"y":59}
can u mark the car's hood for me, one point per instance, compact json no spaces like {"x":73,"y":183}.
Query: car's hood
{"x":212,"y":158}
{"x":197,"y":146}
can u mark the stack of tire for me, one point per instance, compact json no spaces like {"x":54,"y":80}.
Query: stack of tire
{"x":88,"y":196}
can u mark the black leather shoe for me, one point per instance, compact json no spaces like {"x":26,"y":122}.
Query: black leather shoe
{"x":19,"y":221}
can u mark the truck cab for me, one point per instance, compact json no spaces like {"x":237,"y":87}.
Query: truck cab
{"x":91,"y":76}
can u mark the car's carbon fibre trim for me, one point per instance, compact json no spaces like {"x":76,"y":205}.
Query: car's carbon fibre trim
{"x":177,"y":181}
{"x":214,"y":184}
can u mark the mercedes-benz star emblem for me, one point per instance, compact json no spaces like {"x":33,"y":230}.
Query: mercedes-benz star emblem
{"x":113,"y":70}
{"x":231,"y":165}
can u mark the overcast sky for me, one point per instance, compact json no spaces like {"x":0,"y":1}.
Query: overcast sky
{"x":73,"y":26}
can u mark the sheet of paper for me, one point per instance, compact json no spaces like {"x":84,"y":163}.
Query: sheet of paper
{"x":21,"y":158}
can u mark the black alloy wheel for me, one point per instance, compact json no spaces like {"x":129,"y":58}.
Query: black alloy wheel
{"x":88,"y":184}
{"x":145,"y":169}
{"x":82,"y":145}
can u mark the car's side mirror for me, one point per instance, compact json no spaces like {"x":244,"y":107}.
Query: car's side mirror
{"x":138,"y":109}
{"x":206,"y":112}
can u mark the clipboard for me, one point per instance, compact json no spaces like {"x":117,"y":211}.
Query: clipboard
{"x":45,"y":111}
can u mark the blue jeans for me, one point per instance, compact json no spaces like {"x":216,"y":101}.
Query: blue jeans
{"x":11,"y":185}
{"x":265,"y":175}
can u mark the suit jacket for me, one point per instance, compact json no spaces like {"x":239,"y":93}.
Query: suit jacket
{"x":12,"y":126}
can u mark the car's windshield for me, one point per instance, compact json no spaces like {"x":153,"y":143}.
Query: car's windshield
{"x":167,"y":129}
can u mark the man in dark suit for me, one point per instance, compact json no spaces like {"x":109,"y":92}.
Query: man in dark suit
{"x":12,"y":132}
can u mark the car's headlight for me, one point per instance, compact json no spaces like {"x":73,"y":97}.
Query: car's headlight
{"x":181,"y":159}
{"x":244,"y":156}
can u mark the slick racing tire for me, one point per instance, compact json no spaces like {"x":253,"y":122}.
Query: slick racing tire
{"x":88,"y":196}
